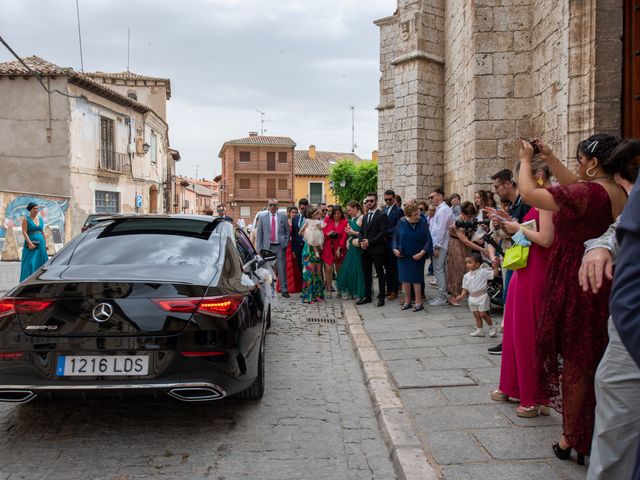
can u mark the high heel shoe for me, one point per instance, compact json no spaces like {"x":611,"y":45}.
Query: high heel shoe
{"x":580,"y":460}
{"x":561,"y":453}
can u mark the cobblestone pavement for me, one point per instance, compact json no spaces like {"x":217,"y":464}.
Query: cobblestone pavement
{"x":444,"y":377}
{"x":315,"y":422}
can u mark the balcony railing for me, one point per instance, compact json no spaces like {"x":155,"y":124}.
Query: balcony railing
{"x":111,"y":160}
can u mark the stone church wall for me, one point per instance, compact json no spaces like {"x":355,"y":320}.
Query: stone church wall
{"x":488,"y":72}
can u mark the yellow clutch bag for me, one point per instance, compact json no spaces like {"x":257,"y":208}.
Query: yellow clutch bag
{"x":515,"y":257}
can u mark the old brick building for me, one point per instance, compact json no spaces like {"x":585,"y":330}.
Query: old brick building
{"x":254,"y":169}
{"x":461,"y":79}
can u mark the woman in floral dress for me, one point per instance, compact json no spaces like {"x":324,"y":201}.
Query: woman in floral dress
{"x":312,"y":274}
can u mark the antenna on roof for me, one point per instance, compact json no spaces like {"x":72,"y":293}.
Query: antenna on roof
{"x":262,"y":120}
{"x":353,"y":129}
{"x":79,"y":36}
{"x":128,"y":46}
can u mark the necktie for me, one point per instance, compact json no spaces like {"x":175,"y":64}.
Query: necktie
{"x":369,"y":219}
{"x":273,"y":229}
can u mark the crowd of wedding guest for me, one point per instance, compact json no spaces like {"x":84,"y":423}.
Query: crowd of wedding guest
{"x":548,"y":236}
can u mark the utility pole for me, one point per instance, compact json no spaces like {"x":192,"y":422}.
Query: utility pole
{"x":79,"y":36}
{"x":353,"y":129}
{"x":262,"y":114}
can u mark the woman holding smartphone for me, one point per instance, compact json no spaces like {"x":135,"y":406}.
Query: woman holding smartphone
{"x":573,"y":323}
{"x":518,"y":376}
{"x":34,"y":251}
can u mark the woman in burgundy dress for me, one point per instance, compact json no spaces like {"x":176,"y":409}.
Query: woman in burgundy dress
{"x":294,"y":276}
{"x":335,"y":245}
{"x":573,"y":323}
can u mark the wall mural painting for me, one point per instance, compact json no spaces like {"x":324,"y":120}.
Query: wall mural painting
{"x":51,"y":211}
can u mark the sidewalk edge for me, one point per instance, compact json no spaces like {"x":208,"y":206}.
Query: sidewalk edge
{"x":407,"y":454}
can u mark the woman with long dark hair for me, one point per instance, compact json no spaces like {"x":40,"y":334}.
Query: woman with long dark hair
{"x":573,"y":323}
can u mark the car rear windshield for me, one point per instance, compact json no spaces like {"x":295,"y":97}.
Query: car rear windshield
{"x":145,"y":241}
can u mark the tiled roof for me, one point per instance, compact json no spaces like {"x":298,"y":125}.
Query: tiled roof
{"x":45,"y":68}
{"x":130,"y":76}
{"x":260,"y":140}
{"x":36,"y":64}
{"x":303,"y":165}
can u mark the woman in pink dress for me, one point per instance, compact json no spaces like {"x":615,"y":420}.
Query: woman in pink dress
{"x":572,"y":329}
{"x":335,"y":245}
{"x":518,"y":376}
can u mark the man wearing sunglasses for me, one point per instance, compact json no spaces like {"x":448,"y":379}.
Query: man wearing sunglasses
{"x":273,"y":234}
{"x":394,"y":213}
{"x":372,"y":242}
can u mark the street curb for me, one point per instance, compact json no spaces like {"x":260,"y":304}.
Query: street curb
{"x":407,"y":453}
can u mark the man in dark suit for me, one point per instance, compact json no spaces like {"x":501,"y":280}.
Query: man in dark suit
{"x":372,"y":242}
{"x":394,"y":213}
{"x":297,"y":242}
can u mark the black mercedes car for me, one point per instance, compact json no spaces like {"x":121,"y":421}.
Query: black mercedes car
{"x":173,"y":304}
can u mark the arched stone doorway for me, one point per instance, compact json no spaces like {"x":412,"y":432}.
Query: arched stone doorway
{"x":153,"y":199}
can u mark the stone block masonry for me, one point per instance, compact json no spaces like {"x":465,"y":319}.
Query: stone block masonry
{"x":461,"y":81}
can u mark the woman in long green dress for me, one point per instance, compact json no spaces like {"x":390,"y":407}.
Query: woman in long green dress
{"x":350,"y":281}
{"x":34,"y":251}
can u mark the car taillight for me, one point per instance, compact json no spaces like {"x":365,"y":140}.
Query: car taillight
{"x":11,"y":306}
{"x":10,"y":355}
{"x":215,"y":353}
{"x":178,"y":305}
{"x":31,"y":306}
{"x":217,"y":306}
{"x":220,"y":306}
{"x":7,"y":307}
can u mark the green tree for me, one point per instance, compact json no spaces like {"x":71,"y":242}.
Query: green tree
{"x":358,"y":180}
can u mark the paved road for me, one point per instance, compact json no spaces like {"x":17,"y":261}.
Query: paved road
{"x":315,"y":422}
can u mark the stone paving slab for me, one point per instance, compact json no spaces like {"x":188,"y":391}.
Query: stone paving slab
{"x":444,"y":378}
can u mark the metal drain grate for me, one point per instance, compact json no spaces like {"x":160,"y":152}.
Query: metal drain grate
{"x":320,"y":320}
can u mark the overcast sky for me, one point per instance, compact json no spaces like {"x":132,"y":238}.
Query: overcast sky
{"x":301,"y":62}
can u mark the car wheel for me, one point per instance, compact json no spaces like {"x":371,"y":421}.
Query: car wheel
{"x":256,"y":390}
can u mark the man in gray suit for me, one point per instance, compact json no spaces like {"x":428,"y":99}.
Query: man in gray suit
{"x":273,"y":234}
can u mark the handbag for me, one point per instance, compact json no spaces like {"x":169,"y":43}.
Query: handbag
{"x":515,"y":257}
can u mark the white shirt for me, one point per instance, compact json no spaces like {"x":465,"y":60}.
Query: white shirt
{"x":439,"y":226}
{"x":475,"y":281}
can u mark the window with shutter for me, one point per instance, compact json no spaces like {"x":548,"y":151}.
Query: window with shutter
{"x":271,"y":161}
{"x":271,"y":187}
{"x":282,"y":157}
{"x":282,"y":184}
{"x":107,"y":150}
{"x":245,"y":156}
{"x":245,"y":184}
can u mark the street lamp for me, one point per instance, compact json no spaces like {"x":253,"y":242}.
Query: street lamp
{"x":331,"y":184}
{"x":145,"y":147}
{"x":343,"y":183}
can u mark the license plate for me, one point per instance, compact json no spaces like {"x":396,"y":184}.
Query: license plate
{"x":71,"y":366}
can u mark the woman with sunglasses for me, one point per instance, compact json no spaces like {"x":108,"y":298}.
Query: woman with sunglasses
{"x":573,"y":323}
{"x":34,"y":251}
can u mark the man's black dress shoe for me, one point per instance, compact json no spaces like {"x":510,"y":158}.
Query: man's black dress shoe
{"x":364,"y":300}
{"x":380,"y":302}
{"x":285,"y":294}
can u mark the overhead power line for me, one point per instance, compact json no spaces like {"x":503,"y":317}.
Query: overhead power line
{"x":34,"y":73}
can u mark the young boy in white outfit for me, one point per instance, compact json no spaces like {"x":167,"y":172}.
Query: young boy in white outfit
{"x":474,"y":284}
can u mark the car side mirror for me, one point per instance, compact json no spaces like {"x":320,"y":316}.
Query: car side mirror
{"x":268,"y":255}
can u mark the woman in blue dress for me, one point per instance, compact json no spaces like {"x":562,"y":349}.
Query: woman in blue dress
{"x":34,"y":251}
{"x":412,"y":245}
{"x":350,"y":281}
